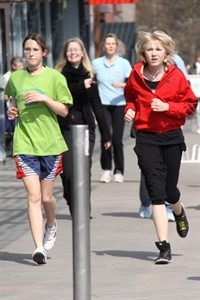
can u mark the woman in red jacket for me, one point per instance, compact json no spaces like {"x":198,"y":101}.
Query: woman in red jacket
{"x":158,"y":99}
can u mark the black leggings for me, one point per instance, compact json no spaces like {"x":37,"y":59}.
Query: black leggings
{"x":160,"y":166}
{"x":115,"y":120}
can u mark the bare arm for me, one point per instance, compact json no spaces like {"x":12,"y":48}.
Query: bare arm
{"x":119,"y":84}
{"x":59,"y":108}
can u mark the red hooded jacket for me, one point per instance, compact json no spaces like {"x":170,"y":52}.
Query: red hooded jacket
{"x":173,"y":88}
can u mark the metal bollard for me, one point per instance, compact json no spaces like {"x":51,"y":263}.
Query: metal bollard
{"x":81,"y":212}
{"x":2,"y":128}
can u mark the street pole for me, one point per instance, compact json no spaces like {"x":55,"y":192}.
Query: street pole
{"x":91,"y":32}
{"x":81,"y":212}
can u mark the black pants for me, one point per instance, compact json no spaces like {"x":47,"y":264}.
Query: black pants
{"x":66,"y":176}
{"x":160,"y":166}
{"x":115,"y":121}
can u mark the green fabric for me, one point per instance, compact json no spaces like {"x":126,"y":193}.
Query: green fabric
{"x":37,"y":131}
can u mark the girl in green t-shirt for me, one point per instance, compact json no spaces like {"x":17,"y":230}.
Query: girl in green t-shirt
{"x":40,"y":94}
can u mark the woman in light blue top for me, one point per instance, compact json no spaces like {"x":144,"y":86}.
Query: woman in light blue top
{"x":112,"y":72}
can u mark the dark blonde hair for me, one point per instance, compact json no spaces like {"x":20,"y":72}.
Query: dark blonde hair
{"x":110,"y":35}
{"x":85,"y":59}
{"x":157,"y":35}
{"x":39,"y":39}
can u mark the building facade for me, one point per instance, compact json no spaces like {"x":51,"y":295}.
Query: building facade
{"x":57,"y":20}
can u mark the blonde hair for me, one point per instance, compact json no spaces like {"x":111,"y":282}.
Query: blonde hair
{"x":157,"y":35}
{"x":85,"y":59}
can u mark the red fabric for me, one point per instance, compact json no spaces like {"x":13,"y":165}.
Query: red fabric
{"x":100,"y":2}
{"x":173,"y":89}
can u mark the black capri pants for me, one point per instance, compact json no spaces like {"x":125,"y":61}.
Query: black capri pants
{"x":160,"y":166}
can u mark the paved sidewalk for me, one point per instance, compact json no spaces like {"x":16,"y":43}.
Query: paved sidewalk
{"x":122,"y":244}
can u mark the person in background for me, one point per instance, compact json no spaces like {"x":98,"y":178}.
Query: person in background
{"x":145,"y":207}
{"x":77,"y":69}
{"x":198,"y":116}
{"x":197,"y":72}
{"x":197,"y":64}
{"x":111,"y":72}
{"x":39,"y":94}
{"x":16,"y":63}
{"x":158,"y":99}
{"x":179,"y":63}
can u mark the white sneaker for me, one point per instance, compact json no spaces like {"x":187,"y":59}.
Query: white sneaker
{"x":40,"y":256}
{"x":50,"y":236}
{"x":198,"y":131}
{"x":118,"y":177}
{"x":106,"y":176}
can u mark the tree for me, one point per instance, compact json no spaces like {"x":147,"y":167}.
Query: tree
{"x":180,"y":19}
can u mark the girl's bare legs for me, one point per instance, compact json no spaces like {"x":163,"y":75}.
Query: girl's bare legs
{"x":160,"y":219}
{"x":33,"y":187}
{"x":177,"y":208}
{"x":48,"y":201}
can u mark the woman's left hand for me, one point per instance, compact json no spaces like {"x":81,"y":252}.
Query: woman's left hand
{"x":158,"y":106}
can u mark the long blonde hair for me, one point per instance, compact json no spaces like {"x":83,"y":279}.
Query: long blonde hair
{"x":85,"y":59}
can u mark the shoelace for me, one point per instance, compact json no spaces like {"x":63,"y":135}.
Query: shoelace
{"x":181,"y":225}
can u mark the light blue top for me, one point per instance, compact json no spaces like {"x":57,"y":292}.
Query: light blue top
{"x":179,"y":62}
{"x":107,"y":74}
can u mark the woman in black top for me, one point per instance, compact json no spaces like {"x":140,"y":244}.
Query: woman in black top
{"x":76,"y":67}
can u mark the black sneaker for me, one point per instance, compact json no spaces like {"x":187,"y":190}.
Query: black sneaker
{"x":182,"y":225}
{"x":164,"y":256}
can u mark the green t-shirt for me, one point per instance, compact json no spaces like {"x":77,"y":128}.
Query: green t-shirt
{"x":37,"y":131}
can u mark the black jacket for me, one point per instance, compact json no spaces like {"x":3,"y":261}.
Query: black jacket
{"x":85,"y":103}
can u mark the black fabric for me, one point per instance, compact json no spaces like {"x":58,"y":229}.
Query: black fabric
{"x":167,"y":138}
{"x":85,"y":103}
{"x":160,"y":165}
{"x":115,"y":121}
{"x":152,"y":84}
{"x":132,"y":131}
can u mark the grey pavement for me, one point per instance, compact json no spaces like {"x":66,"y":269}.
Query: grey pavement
{"x":122,"y":244}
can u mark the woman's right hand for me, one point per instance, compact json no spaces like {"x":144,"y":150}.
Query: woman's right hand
{"x":12,"y":113}
{"x":129,"y":115}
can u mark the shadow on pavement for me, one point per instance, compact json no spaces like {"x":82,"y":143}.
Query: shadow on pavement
{"x":142,"y":255}
{"x":122,"y":214}
{"x":20,"y":258}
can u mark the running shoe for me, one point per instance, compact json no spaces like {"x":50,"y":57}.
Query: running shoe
{"x":39,"y":256}
{"x":106,"y":176}
{"x":145,"y":212}
{"x":119,"y":178}
{"x":50,"y":236}
{"x":182,"y":224}
{"x":164,"y":256}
